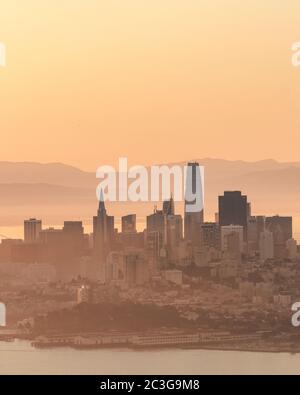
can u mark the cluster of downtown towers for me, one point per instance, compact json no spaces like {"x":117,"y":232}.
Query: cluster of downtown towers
{"x":167,"y":237}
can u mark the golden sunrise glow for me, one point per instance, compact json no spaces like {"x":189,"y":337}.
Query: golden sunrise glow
{"x":89,"y":81}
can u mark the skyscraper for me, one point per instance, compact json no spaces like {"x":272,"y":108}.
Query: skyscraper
{"x":284,"y":225}
{"x":155,"y":222}
{"x":168,"y":207}
{"x":266,"y":246}
{"x":193,"y":209}
{"x":227,"y":233}
{"x":164,"y":231}
{"x":103,"y":231}
{"x":32,"y":229}
{"x":291,"y":246}
{"x":73,"y":237}
{"x":281,"y":227}
{"x":233,"y":210}
{"x":174,"y":233}
{"x":156,"y":232}
{"x":129,"y":237}
{"x":211,"y":235}
{"x":255,"y":226}
{"x":129,"y":223}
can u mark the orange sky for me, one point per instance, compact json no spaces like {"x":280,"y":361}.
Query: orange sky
{"x":88,"y":81}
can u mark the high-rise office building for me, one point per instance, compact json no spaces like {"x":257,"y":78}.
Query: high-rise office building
{"x":292,"y":250}
{"x":261,"y":223}
{"x":255,"y":226}
{"x":153,"y":246}
{"x":194,"y":206}
{"x":211,"y":235}
{"x":233,"y":210}
{"x":282,"y":225}
{"x":174,"y":235}
{"x":252,"y":234}
{"x":32,"y":230}
{"x":103,"y":231}
{"x":129,"y":223}
{"x":51,"y":236}
{"x":73,"y":228}
{"x":155,"y":234}
{"x":164,"y":231}
{"x":63,"y":247}
{"x":169,"y":207}
{"x":73,"y":236}
{"x":53,"y":245}
{"x":249,"y":210}
{"x":227,"y":238}
{"x":156,"y":222}
{"x":233,"y":246}
{"x":266,"y":246}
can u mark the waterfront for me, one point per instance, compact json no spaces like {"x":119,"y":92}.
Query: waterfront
{"x":19,"y":357}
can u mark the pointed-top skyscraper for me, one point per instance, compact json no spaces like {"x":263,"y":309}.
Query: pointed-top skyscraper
{"x":101,"y":206}
{"x":103,"y":231}
{"x":169,"y":207}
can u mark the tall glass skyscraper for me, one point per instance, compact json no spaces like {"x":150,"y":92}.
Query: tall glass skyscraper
{"x":194,"y":203}
{"x":233,"y":210}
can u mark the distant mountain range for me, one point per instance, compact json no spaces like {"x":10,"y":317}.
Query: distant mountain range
{"x":55,"y":191}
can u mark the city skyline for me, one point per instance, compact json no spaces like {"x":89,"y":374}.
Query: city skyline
{"x":45,"y":190}
{"x":243,"y":254}
{"x":149,"y":189}
{"x":234,"y":211}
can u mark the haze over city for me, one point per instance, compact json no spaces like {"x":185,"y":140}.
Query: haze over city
{"x":211,"y":84}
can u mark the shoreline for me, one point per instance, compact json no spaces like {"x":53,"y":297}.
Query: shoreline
{"x":254,"y":348}
{"x":222,"y":341}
